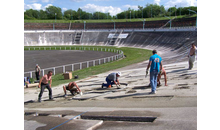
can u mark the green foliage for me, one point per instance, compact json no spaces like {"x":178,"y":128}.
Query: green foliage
{"x":54,"y":12}
{"x":149,"y":11}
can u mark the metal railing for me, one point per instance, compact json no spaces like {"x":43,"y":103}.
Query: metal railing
{"x":75,"y":66}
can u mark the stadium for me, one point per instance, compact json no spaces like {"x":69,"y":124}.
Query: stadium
{"x":80,"y":48}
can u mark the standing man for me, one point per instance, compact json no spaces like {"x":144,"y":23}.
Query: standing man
{"x":192,"y":55}
{"x":112,"y":79}
{"x":44,"y":84}
{"x":155,"y":65}
{"x":37,"y":71}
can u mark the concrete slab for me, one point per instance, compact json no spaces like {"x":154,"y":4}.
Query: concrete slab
{"x":49,"y":122}
{"x":32,"y":125}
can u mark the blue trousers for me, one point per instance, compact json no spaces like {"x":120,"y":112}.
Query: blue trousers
{"x":153,"y":80}
{"x":109,"y":82}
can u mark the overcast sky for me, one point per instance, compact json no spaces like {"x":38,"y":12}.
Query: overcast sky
{"x":111,"y":6}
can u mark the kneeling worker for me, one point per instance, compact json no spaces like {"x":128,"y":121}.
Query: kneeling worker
{"x":111,"y":79}
{"x":72,"y":87}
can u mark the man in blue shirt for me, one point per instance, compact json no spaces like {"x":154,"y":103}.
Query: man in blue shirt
{"x":155,"y":65}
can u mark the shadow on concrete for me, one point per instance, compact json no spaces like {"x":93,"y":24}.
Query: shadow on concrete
{"x":141,"y":87}
{"x":130,"y":95}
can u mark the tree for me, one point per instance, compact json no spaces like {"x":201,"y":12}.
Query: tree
{"x":52,"y":10}
{"x":79,"y":13}
{"x":171,"y":11}
{"x":121,"y":15}
{"x":140,"y":11}
{"x":42,"y":14}
{"x":153,"y":10}
{"x":70,"y":14}
{"x":33,"y":14}
{"x":149,"y":10}
{"x":185,"y":11}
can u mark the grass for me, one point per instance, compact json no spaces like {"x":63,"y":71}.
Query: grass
{"x":133,"y":55}
{"x":105,"y":20}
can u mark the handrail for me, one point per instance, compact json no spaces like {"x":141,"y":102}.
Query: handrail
{"x":110,"y":58}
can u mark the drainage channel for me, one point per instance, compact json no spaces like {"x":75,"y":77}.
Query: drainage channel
{"x":104,"y":118}
{"x":119,"y":118}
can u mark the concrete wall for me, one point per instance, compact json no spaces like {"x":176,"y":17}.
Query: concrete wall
{"x":137,"y":39}
{"x":173,"y":44}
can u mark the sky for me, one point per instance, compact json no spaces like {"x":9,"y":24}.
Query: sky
{"x":112,"y":6}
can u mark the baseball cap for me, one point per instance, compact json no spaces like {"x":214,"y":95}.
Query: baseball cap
{"x":119,"y":73}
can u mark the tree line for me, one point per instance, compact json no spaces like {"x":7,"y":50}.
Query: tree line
{"x":149,"y":11}
{"x":154,"y":10}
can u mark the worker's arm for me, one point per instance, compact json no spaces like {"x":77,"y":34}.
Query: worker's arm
{"x":118,"y":82}
{"x":149,"y":64}
{"x":115,"y":82}
{"x":77,"y":86}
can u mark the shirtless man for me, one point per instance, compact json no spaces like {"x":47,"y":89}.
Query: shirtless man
{"x":163,"y":72}
{"x":72,"y":87}
{"x":44,"y":83}
{"x":192,"y":55}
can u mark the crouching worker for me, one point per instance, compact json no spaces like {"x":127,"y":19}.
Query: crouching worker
{"x":112,"y":79}
{"x":163,"y":72}
{"x":72,"y":87}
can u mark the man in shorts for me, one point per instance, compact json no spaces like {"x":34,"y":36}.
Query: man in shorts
{"x":72,"y":87}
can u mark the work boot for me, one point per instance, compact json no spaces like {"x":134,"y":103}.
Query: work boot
{"x":39,"y":99}
{"x":152,"y":92}
{"x":50,"y":98}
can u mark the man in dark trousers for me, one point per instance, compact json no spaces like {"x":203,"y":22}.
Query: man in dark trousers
{"x":37,"y":71}
{"x":44,"y":84}
{"x":155,"y":65}
{"x":112,"y":79}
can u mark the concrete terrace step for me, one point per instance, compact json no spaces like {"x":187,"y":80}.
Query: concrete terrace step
{"x":64,"y":123}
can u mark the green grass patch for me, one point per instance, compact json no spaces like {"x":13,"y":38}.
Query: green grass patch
{"x":133,"y":55}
